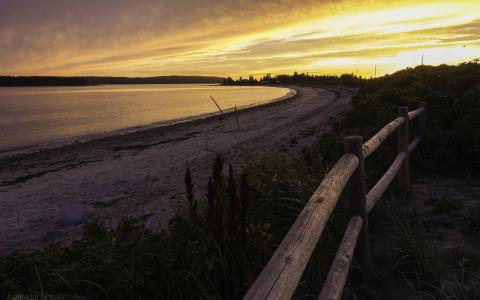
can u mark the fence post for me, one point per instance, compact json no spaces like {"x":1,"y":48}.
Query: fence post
{"x":422,"y":119}
{"x":403,"y":177}
{"x":358,"y":205}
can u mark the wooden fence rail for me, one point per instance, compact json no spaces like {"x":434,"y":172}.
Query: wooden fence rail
{"x":281,"y":275}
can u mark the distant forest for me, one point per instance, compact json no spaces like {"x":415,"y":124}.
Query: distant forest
{"x":303,"y":78}
{"x":97,"y":80}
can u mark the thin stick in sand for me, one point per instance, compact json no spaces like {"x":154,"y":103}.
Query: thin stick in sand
{"x":221,"y":111}
{"x":236,"y":117}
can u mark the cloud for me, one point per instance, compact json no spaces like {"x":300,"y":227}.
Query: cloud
{"x":149,"y":37}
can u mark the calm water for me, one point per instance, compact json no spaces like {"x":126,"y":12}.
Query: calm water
{"x":33,"y":115}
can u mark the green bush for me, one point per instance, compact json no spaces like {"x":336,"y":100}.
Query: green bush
{"x":452,"y":93}
{"x":215,"y":247}
{"x":202,"y":254}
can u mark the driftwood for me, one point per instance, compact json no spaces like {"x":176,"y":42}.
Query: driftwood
{"x":236,"y":117}
{"x":218,"y":106}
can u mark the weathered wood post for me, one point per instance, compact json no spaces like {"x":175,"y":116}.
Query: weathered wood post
{"x":422,"y":119}
{"x":236,"y":117}
{"x":403,"y":177}
{"x":358,"y":205}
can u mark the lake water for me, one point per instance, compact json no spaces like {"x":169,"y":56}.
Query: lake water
{"x":35,"y":115}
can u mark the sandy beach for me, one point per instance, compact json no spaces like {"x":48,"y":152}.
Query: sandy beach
{"x":45,"y":197}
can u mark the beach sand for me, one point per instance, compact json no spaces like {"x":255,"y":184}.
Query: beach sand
{"x":46,"y":196}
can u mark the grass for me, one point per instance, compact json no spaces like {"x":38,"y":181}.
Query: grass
{"x":473,"y":220}
{"x":445,"y":203}
{"x":407,"y":254}
{"x":456,"y":287}
{"x":410,"y":251}
{"x":215,"y":247}
{"x":402,"y":243}
{"x":193,"y":259}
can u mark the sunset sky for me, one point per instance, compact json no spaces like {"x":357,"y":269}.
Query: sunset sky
{"x":232,"y":38}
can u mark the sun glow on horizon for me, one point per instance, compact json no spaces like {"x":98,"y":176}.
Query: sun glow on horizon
{"x":326,"y":37}
{"x":404,"y":20}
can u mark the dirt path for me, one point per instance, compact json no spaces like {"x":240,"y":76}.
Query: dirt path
{"x":46,"y":196}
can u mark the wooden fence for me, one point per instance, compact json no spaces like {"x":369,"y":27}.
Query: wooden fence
{"x":281,"y":275}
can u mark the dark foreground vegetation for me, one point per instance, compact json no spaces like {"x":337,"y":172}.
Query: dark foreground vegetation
{"x":98,"y":80}
{"x":216,"y":246}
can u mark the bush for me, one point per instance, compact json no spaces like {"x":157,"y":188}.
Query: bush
{"x":202,"y":255}
{"x":452,"y":94}
{"x":215,"y":248}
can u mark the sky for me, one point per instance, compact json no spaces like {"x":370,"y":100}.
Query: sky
{"x":233,"y":38}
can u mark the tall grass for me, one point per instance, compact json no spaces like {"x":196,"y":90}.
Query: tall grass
{"x":415,"y":254}
{"x":216,"y":246}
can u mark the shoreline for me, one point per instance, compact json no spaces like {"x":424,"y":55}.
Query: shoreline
{"x":48,"y":195}
{"x":28,"y":149}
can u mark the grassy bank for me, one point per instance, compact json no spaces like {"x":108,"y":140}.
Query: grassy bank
{"x":216,"y":246}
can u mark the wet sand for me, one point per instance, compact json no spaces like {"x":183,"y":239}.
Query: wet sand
{"x":45,"y":197}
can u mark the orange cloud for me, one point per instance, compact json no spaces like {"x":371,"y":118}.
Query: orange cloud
{"x":143,"y":38}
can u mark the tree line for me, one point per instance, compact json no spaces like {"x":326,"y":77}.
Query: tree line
{"x":298,"y":78}
{"x":99,"y":80}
